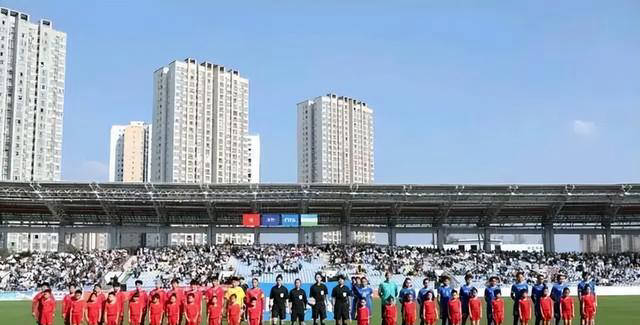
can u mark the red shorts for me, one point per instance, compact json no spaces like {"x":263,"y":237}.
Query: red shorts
{"x":112,"y":322}
{"x":589,"y":314}
{"x":194,"y":322}
{"x":499,"y":318}
{"x":567,"y":316}
{"x":475,"y":315}
{"x":173,"y":320}
{"x":547,"y":316}
{"x":524,"y":320}
{"x":456,"y":319}
{"x":46,"y":320}
{"x":410,"y":320}
{"x":214,"y":321}
{"x":430,"y":319}
{"x":77,"y":319}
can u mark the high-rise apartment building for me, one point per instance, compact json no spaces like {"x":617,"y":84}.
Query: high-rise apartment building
{"x":335,"y":141}
{"x":32,"y":70}
{"x":200,"y":124}
{"x":335,"y":145}
{"x":253,"y":144}
{"x":129,"y":159}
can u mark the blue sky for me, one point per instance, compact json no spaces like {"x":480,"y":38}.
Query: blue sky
{"x":463,"y":92}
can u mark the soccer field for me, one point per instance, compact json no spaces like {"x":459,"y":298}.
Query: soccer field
{"x":618,"y":310}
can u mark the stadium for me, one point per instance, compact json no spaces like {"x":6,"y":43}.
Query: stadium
{"x":142,"y":211}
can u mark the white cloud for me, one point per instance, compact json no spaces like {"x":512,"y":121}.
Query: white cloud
{"x":584,"y":128}
{"x":88,"y":171}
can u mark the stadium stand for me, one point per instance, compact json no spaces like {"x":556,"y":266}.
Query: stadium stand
{"x":20,"y":272}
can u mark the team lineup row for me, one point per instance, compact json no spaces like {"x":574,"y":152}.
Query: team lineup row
{"x":239,"y":303}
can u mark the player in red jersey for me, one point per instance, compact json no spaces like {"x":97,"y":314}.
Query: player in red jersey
{"x":455,"y":309}
{"x":111,"y":313}
{"x":172,"y":310}
{"x":254,"y":313}
{"x":589,"y":306}
{"x":234,"y":311}
{"x":546,"y":307}
{"x":77,"y":308}
{"x":136,"y":310}
{"x":143,"y":297}
{"x":524,"y":308}
{"x":35,"y":302}
{"x":66,"y":304}
{"x":215,"y":290}
{"x":256,"y":292}
{"x":430,"y":309}
{"x":566,"y":307}
{"x":101,"y":298}
{"x":46,"y":308}
{"x":497,"y":308}
{"x":390,"y":311}
{"x":475,"y":307}
{"x":214,"y":311}
{"x":409,"y":310}
{"x":181,"y":298}
{"x":192,"y":310}
{"x":93,"y":310}
{"x":121,"y":298}
{"x":196,"y":291}
{"x":362,"y":313}
{"x":159,"y":291}
{"x":155,"y":310}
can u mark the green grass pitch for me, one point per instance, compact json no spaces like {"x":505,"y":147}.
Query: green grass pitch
{"x":612,"y":310}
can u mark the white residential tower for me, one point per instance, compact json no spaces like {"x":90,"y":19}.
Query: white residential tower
{"x":200,"y":124}
{"x":32,"y":70}
{"x":335,"y":145}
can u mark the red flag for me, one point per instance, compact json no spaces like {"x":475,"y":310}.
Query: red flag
{"x":251,"y":220}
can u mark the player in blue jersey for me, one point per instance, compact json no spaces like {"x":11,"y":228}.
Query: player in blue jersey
{"x":536,"y":293}
{"x":489,"y":296}
{"x":465,"y":295}
{"x":364,"y":292}
{"x":422,"y":296}
{"x":406,"y":291}
{"x":517,"y":289}
{"x":556,"y":295}
{"x":582,"y":285}
{"x":444,"y":295}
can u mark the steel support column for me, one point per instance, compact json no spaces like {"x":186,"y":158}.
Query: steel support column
{"x":212,"y":234}
{"x":301,"y":240}
{"x":392,"y":234}
{"x":62,"y":239}
{"x":486,"y":240}
{"x":256,"y":236}
{"x":114,"y":237}
{"x":548,"y":238}
{"x":441,"y":236}
{"x":608,"y":244}
{"x":5,"y":239}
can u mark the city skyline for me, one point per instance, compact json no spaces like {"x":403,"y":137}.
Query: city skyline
{"x":500,"y":116}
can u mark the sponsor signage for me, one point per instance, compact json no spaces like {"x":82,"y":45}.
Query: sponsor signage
{"x":290,"y":220}
{"x":251,"y":220}
{"x":309,"y":220}
{"x":270,"y":220}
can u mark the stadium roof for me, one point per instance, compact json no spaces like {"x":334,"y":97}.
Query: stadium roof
{"x":409,"y":204}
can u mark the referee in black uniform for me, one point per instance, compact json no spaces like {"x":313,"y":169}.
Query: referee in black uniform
{"x":319,"y":293}
{"x":340,"y":295}
{"x":298,"y":303}
{"x":278,"y":301}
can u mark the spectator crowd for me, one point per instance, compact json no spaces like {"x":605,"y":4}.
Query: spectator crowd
{"x":19,"y":272}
